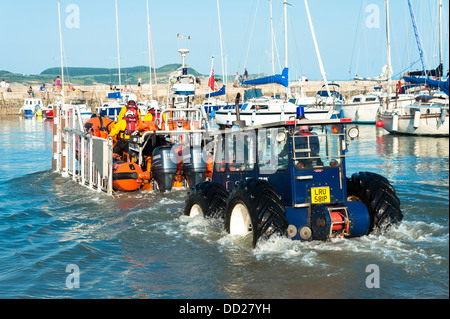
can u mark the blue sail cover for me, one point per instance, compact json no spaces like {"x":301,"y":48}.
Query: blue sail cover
{"x":277,"y":78}
{"x":443,"y":85}
{"x":414,"y":80}
{"x":218,"y":93}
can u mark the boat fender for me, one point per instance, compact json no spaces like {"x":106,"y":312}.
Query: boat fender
{"x":416,"y":119}
{"x":443,"y":115}
{"x":395,"y":122}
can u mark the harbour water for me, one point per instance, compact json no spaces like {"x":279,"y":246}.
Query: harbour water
{"x":140,"y":245}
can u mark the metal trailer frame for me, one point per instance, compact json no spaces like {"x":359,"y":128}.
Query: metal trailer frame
{"x":85,"y":158}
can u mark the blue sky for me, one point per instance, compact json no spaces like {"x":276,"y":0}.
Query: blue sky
{"x":348,"y":43}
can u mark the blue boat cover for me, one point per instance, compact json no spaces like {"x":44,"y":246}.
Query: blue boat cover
{"x":218,"y":93}
{"x":277,"y":78}
{"x":414,"y":80}
{"x":443,"y":85}
{"x":115,"y":95}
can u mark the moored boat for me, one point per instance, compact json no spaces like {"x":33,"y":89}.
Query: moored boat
{"x":363,"y":108}
{"x":427,"y":116}
{"x":31,"y":106}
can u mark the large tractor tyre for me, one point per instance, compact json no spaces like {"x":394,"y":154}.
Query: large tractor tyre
{"x":255,"y":207}
{"x":208,"y":199}
{"x":379,"y":196}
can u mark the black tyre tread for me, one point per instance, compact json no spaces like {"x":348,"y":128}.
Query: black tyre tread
{"x":368,"y":179}
{"x":267,"y":212}
{"x":212,"y":198}
{"x":379,"y":196}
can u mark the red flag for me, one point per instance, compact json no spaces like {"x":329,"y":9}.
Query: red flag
{"x":211,"y":78}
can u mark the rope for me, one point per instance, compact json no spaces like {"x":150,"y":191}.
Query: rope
{"x":251,"y":34}
{"x":401,"y":72}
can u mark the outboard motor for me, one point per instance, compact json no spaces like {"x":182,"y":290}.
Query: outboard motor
{"x":194,"y":166}
{"x":164,"y":167}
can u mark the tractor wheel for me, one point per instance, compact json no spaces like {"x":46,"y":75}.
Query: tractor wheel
{"x":255,"y":207}
{"x":379,"y":196}
{"x":208,"y":199}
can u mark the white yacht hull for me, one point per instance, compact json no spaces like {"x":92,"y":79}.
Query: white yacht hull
{"x":226,"y":117}
{"x":433,"y":121}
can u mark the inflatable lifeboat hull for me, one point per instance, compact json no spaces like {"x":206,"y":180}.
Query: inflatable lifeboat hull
{"x":128,"y":177}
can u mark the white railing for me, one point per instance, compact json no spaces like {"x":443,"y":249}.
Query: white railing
{"x":85,"y":158}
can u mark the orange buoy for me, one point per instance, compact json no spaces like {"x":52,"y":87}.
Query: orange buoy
{"x":128,"y":177}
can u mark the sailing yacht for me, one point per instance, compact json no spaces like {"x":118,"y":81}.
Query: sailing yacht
{"x":363,"y":108}
{"x":428,"y":114}
{"x":259,"y":109}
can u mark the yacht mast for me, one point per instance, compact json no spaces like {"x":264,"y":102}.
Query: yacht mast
{"x":419,"y":42}
{"x":149,"y":54}
{"x":272,"y":39}
{"x":322,"y":70}
{"x":388,"y":40}
{"x":285,"y":35}
{"x":221,"y":45}
{"x":61,"y":51}
{"x":118,"y":46}
{"x":441,"y":62}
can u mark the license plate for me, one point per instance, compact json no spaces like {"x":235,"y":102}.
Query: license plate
{"x":320,"y":195}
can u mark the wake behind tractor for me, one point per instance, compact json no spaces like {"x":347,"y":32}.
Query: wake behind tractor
{"x":289,"y":178}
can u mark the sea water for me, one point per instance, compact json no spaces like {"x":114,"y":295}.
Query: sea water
{"x":59,"y":239}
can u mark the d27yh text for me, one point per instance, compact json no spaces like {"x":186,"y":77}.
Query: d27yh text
{"x":227,"y":308}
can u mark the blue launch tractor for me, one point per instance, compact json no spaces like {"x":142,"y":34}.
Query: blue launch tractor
{"x":289,"y":178}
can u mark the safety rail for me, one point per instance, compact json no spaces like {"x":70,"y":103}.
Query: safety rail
{"x":86,"y":158}
{"x":182,"y":119}
{"x":191,"y":115}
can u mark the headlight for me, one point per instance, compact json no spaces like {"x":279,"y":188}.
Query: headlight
{"x":281,"y":137}
{"x":353,"y":132}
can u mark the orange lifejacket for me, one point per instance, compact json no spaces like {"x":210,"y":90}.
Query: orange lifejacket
{"x":99,"y":126}
{"x":131,"y":117}
{"x":149,"y":126}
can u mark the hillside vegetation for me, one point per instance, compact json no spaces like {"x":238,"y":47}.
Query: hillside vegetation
{"x":92,"y":76}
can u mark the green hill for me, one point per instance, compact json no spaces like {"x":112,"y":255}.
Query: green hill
{"x":90,"y":76}
{"x":25,"y":79}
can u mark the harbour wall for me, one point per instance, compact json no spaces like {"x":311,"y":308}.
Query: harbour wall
{"x":96,"y":95}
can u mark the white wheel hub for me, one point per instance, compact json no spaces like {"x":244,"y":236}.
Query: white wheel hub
{"x":196,"y":210}
{"x":240,"y":221}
